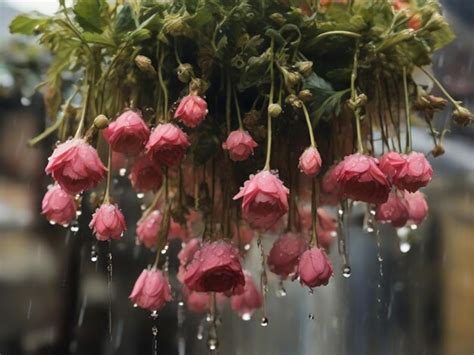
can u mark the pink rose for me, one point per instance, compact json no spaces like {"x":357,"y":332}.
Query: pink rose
{"x":151,"y":291}
{"x":128,"y":134}
{"x":314,"y":268}
{"x":392,"y":163}
{"x":326,"y":228}
{"x":148,"y":229}
{"x":418,"y":173}
{"x":417,"y":207}
{"x":265,"y":199}
{"x":249,"y":301}
{"x":167,"y":144}
{"x":240,"y":145}
{"x":215,"y":268}
{"x":145,"y":175}
{"x":108,"y":222}
{"x":285,"y":253}
{"x":76,"y":166}
{"x":310,"y":162}
{"x":361,"y":179}
{"x":330,"y":189}
{"x":191,"y":110}
{"x":394,"y":211}
{"x":186,"y":254}
{"x":58,"y":206}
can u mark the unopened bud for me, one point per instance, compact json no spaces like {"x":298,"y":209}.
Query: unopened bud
{"x":101,"y":122}
{"x":291,"y":79}
{"x":462,"y":116}
{"x":274,"y":110}
{"x":278,"y":18}
{"x":294,"y":101}
{"x":305,"y":95}
{"x":185,"y":72}
{"x":144,"y":64}
{"x":305,"y":68}
{"x":437,"y":150}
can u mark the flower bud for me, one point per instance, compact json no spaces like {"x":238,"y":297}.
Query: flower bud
{"x":305,"y":95}
{"x":185,"y":72}
{"x":304,"y":68}
{"x":101,"y":122}
{"x":278,"y":18}
{"x":291,"y":79}
{"x":294,"y":101}
{"x":436,"y":22}
{"x":438,"y":150}
{"x":198,"y":86}
{"x":462,"y":116}
{"x":144,"y":64}
{"x":274,"y":110}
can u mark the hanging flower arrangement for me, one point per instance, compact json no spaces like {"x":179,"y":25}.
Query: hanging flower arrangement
{"x":240,"y":120}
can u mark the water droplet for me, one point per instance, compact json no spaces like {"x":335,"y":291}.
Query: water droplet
{"x":181,"y":303}
{"x":264,"y":322}
{"x":154,"y":330}
{"x":25,"y":101}
{"x":247,"y":247}
{"x":281,"y":292}
{"x":311,"y":316}
{"x":413,"y":227}
{"x":209,"y":317}
{"x":311,"y":291}
{"x":78,"y":213}
{"x":135,"y":305}
{"x":94,"y":255}
{"x":74,"y":227}
{"x":122,"y":171}
{"x":140,"y":195}
{"x":199,"y":334}
{"x":246,"y":317}
{"x":154,"y":314}
{"x":346,"y":271}
{"x":379,"y":258}
{"x":143,"y":207}
{"x":405,"y":247}
{"x":212,"y":343}
{"x":52,"y":223}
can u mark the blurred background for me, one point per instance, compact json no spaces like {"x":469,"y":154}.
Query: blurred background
{"x":413,"y":295}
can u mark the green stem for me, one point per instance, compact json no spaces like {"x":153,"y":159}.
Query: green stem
{"x":109,"y":176}
{"x":310,"y":126}
{"x":314,"y":212}
{"x":228,"y":98}
{"x":269,"y":117}
{"x":333,"y":33}
{"x":176,"y":54}
{"x":237,"y":108}
{"x":407,"y":112}
{"x":360,"y":148}
{"x":455,"y":103}
{"x":163,"y":87}
{"x":85,"y":107}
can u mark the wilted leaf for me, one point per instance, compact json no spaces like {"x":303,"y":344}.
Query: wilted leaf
{"x":27,"y":24}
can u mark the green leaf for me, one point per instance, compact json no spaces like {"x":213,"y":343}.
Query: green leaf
{"x":98,"y":38}
{"x":125,"y":20}
{"x":27,"y":24}
{"x":90,"y":14}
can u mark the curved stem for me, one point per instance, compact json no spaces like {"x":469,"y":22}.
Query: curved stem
{"x":269,"y":117}
{"x":455,"y":103}
{"x":163,"y":87}
{"x":360,"y":148}
{"x":407,"y":112}
{"x":310,"y":126}
{"x":176,"y":54}
{"x":334,"y":33}
{"x":85,"y":107}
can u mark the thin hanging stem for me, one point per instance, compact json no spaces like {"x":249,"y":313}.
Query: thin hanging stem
{"x":237,"y":108}
{"x":314,"y":212}
{"x":163,"y":87}
{"x":228,"y":100}
{"x":85,"y":107}
{"x":407,"y":112}
{"x":109,"y":176}
{"x":360,"y":148}
{"x":176,"y":54}
{"x":455,"y":103}
{"x":269,"y":117}
{"x":310,"y":126}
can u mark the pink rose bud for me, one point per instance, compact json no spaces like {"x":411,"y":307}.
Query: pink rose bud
{"x":265,"y":199}
{"x":417,"y":174}
{"x":58,"y":206}
{"x":417,"y":207}
{"x":108,"y":222}
{"x":191,"y":110}
{"x":240,"y":145}
{"x":314,"y":268}
{"x":145,"y":175}
{"x":325,"y":229}
{"x":186,"y":255}
{"x":215,"y":268}
{"x":284,"y":254}
{"x":361,"y":179}
{"x":128,"y":134}
{"x":76,"y":166}
{"x":392,"y":164}
{"x":151,"y":291}
{"x":310,"y":162}
{"x":148,"y":229}
{"x":394,"y":211}
{"x":167,"y":144}
{"x":331,"y":193}
{"x":249,"y":301}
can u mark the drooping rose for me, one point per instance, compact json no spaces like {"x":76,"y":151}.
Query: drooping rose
{"x":265,"y":199}
{"x":151,"y":291}
{"x":167,"y":145}
{"x":215,"y":268}
{"x":392,"y":164}
{"x":108,"y":222}
{"x":186,"y":254}
{"x":249,"y":301}
{"x":361,"y":179}
{"x":76,"y":166}
{"x":192,"y":110}
{"x":284,"y":254}
{"x":148,"y":229}
{"x":417,"y":207}
{"x":145,"y":175}
{"x":314,"y":268}
{"x":417,"y":173}
{"x":58,"y":206}
{"x":310,"y":162}
{"x":331,"y":193}
{"x":128,"y":134}
{"x":394,"y":211}
{"x":240,"y":145}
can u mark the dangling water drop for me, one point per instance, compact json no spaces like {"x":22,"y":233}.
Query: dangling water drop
{"x":109,"y":285}
{"x":346,"y":271}
{"x":74,"y":226}
{"x":94,"y":254}
{"x":212,"y":343}
{"x":264,"y":322}
{"x":405,"y":247}
{"x":281,"y":292}
{"x":154,"y":332}
{"x":52,"y":223}
{"x":413,"y":227}
{"x":154,"y":314}
{"x":140,"y":195}
{"x":247,"y":247}
{"x":311,"y":316}
{"x":246,"y":317}
{"x":122,"y":171}
{"x":135,"y":305}
{"x":200,"y":331}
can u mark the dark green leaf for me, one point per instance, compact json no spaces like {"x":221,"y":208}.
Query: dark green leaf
{"x":27,"y":24}
{"x":125,"y":19}
{"x":90,"y":14}
{"x":98,"y":38}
